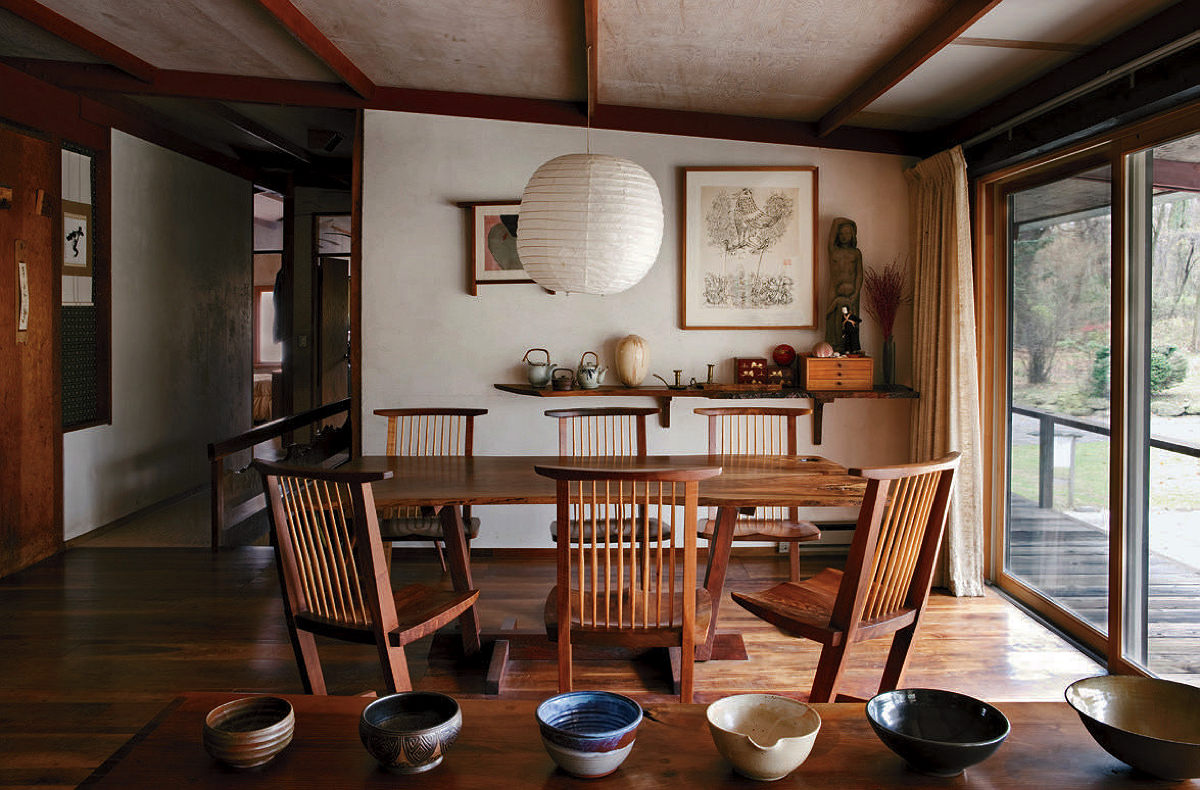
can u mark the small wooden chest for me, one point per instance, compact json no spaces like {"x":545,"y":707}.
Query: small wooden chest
{"x":837,"y":373}
{"x":750,"y":370}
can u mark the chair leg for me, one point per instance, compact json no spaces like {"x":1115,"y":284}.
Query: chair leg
{"x":794,"y":561}
{"x":437,"y":544}
{"x":564,"y":666}
{"x":829,"y":672}
{"x":395,"y":668}
{"x":893,"y":670}
{"x":687,"y":671}
{"x":308,"y":661}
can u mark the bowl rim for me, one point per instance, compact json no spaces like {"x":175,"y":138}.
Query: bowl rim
{"x":377,"y":702}
{"x":987,"y":706}
{"x":708,"y":712}
{"x":249,"y":703}
{"x":637,"y":720}
{"x":1131,"y":679}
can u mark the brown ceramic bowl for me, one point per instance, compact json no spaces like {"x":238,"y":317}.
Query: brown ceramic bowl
{"x":249,"y":732}
{"x":1151,"y":724}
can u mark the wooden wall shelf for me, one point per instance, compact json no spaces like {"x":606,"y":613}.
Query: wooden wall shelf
{"x":717,"y":391}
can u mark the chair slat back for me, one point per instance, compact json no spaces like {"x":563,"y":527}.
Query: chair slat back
{"x":430,"y":431}
{"x":892,"y":557}
{"x":754,"y":431}
{"x":604,"y":432}
{"x":328,"y":545}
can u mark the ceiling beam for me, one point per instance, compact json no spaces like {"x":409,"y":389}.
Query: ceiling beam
{"x":591,"y":26}
{"x":257,"y":130}
{"x":1170,"y":28}
{"x":262,"y":90}
{"x":58,"y":25}
{"x":937,"y":36}
{"x":304,"y":31}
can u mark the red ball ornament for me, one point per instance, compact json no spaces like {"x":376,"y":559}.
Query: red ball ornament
{"x":783,"y":355}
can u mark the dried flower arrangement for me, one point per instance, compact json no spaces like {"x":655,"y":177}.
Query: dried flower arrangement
{"x":884,"y":291}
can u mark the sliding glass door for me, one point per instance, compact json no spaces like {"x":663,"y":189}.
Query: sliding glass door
{"x":1096,"y":265}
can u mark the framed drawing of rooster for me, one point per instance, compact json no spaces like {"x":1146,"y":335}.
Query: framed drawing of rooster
{"x":749,"y":248}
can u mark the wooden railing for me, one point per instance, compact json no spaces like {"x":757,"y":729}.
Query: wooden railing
{"x":323,"y":446}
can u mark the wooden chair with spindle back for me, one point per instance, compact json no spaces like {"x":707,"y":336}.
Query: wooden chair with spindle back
{"x":618,"y":431}
{"x":427,"y":431}
{"x":615,"y":590}
{"x":334,"y":575}
{"x":886,"y":581}
{"x":760,"y":431}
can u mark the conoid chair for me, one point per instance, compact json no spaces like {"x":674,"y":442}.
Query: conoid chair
{"x":885,"y":585}
{"x":760,"y":431}
{"x":334,"y":575}
{"x":613,"y":590}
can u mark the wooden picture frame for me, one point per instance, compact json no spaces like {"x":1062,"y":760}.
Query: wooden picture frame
{"x":494,"y":244}
{"x":749,"y":242}
{"x":78,"y":239}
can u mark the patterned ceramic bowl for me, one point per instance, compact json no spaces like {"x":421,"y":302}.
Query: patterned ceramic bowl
{"x":249,"y":732}
{"x":410,"y":732}
{"x":589,"y":733}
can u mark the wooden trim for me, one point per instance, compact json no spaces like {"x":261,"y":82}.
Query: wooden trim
{"x":58,"y":25}
{"x":264,"y":90}
{"x":1060,"y":618}
{"x":310,"y":36}
{"x":257,"y":130}
{"x":356,"y":269}
{"x":1118,"y":410}
{"x":591,"y":26}
{"x":46,"y":110}
{"x":957,"y":19}
{"x":1009,"y":43}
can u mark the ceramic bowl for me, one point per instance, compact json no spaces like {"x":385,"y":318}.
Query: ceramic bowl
{"x":589,"y":733}
{"x":410,"y":732}
{"x":249,"y":732}
{"x":1151,"y":724}
{"x":764,"y":736}
{"x":937,"y":732}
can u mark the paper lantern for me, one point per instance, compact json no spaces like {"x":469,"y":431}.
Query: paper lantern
{"x":589,"y":223}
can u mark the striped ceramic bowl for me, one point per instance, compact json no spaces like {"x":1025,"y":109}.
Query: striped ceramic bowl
{"x":589,"y":733}
{"x":249,"y":732}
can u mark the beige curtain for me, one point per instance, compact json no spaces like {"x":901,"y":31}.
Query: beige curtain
{"x":945,"y":369}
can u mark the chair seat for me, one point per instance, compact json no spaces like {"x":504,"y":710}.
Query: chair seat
{"x":624,"y":528}
{"x":421,"y":527}
{"x":660,"y":622}
{"x":767,"y":529}
{"x":420,"y":610}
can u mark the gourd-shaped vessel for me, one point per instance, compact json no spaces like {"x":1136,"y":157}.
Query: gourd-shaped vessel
{"x":633,"y":360}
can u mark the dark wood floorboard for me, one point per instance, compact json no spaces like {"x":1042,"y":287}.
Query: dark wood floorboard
{"x":94,"y":641}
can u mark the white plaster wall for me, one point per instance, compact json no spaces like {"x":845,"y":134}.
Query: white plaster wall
{"x":427,"y":342}
{"x":181,"y":274}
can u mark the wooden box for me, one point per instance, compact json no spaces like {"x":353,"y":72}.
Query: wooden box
{"x":750,"y":370}
{"x":781,"y":375}
{"x":837,"y":373}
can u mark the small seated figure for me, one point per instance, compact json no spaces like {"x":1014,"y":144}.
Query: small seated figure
{"x":850,"y":323}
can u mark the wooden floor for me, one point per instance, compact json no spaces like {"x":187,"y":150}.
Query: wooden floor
{"x":1067,"y":560}
{"x":94,"y":641}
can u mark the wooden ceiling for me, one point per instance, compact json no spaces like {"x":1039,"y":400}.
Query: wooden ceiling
{"x":250,"y":78}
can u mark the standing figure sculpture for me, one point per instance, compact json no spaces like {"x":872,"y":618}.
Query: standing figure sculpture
{"x":845,"y":278}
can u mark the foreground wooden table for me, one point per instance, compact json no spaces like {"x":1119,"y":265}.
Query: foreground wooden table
{"x":500,"y":747}
{"x":447,"y":483}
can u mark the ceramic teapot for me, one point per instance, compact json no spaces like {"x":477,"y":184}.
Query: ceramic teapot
{"x":563,"y":379}
{"x":590,"y":375}
{"x":539,"y":372}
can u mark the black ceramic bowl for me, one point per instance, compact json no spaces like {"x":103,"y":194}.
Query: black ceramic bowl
{"x":937,"y":732}
{"x":1151,"y":724}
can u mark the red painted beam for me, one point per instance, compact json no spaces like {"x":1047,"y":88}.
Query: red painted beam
{"x":58,"y":25}
{"x":937,"y":36}
{"x":591,"y":27}
{"x":319,"y":45}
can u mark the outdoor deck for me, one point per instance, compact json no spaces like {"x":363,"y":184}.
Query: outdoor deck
{"x":1067,"y":559}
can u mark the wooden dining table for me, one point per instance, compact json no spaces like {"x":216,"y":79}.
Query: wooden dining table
{"x":446,"y":484}
{"x":500,"y":746}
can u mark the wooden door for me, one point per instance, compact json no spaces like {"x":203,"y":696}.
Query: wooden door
{"x":30,"y":406}
{"x":333,"y":349}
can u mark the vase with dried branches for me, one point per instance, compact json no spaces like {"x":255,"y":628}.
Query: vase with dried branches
{"x":884,"y":291}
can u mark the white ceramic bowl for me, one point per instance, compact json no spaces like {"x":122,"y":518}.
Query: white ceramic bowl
{"x":764,"y":736}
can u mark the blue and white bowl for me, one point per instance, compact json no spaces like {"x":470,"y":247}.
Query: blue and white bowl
{"x":589,"y":733}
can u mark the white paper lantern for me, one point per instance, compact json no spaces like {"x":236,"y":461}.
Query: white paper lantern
{"x":589,"y":223}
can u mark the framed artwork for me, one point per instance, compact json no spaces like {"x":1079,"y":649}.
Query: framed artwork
{"x":749,"y":248}
{"x":494,"y":244}
{"x":333,"y":234}
{"x":77,"y":239}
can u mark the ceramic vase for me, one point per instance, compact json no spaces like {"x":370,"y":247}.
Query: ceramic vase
{"x":633,"y":360}
{"x":889,"y":361}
